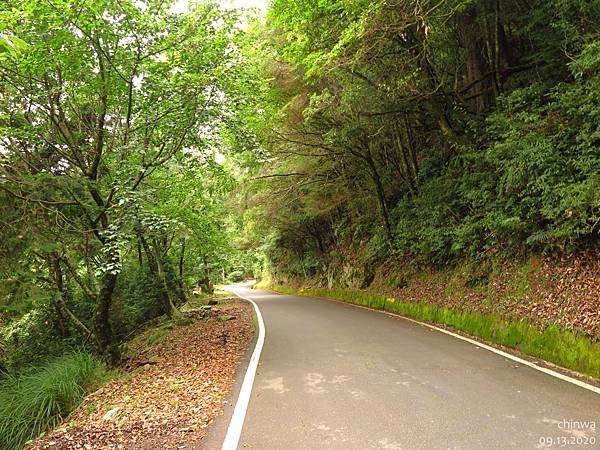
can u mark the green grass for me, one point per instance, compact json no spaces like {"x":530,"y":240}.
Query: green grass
{"x":558,"y":346}
{"x":40,"y":399}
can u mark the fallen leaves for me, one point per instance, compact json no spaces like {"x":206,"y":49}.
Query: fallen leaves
{"x":176,"y":388}
{"x":563,"y":291}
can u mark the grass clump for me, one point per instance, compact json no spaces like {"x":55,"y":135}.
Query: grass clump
{"x":558,"y":346}
{"x":39,"y":399}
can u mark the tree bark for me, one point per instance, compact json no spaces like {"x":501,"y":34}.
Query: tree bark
{"x":205,"y":283}
{"x":62,"y":307}
{"x":56,"y":273}
{"x":168,"y":305}
{"x":471,"y":37}
{"x":380,"y":196}
{"x":102,"y":326}
{"x":181,"y":259}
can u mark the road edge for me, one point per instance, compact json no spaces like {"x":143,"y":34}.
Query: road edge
{"x":547,"y":371}
{"x":234,"y":430}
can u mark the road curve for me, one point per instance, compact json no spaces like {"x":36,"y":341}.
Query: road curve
{"x":333,"y":376}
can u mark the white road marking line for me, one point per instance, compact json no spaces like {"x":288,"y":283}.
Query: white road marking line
{"x":506,"y":355}
{"x":234,"y":430}
{"x":545,"y":370}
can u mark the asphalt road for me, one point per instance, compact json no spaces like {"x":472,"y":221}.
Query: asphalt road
{"x":333,"y":376}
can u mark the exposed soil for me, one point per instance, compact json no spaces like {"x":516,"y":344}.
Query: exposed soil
{"x":178,"y":380}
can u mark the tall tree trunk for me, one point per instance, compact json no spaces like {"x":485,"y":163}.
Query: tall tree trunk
{"x":61,"y":305}
{"x":156,"y":268}
{"x":139,"y":251}
{"x":149,"y":253}
{"x":179,"y":284}
{"x":56,"y":273}
{"x":102,"y":327}
{"x":479,"y":78}
{"x":168,"y":305}
{"x":205,"y":282}
{"x":181,"y":259}
{"x":380,"y":195}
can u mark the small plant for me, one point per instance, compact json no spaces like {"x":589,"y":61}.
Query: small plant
{"x":90,"y":408}
{"x":399,"y":283}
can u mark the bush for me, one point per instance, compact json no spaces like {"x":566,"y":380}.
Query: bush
{"x":40,"y":399}
{"x":137,"y":300}
{"x":235,"y":276}
{"x":31,"y":340}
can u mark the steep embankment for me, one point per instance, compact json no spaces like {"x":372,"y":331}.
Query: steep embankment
{"x":542,"y":290}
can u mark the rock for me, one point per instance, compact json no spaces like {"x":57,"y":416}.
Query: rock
{"x":110,"y":415}
{"x":213,"y":302}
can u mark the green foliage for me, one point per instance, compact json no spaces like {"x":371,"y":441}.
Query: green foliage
{"x":119,"y":128}
{"x":537,"y":185}
{"x":32,"y":339}
{"x":39,"y":399}
{"x":534,"y":186}
{"x":235,"y":276}
{"x":137,"y":300}
{"x":430,"y":131}
{"x":120,"y":125}
{"x":143,"y":150}
{"x":11,"y":45}
{"x":551,"y":344}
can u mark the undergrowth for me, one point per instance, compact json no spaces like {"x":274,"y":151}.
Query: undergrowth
{"x":39,"y":399}
{"x":558,"y":346}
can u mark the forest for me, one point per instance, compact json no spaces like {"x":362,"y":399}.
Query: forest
{"x":436,"y":131}
{"x":147,"y":153}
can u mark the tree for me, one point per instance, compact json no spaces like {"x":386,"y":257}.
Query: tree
{"x":97,"y":99}
{"x":413,"y":107}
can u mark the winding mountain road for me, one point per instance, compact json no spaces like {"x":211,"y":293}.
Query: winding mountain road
{"x":334,"y":376}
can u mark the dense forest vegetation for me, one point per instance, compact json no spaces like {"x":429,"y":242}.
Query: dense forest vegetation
{"x":429,"y":131}
{"x":115,"y":121}
{"x":146,"y":152}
